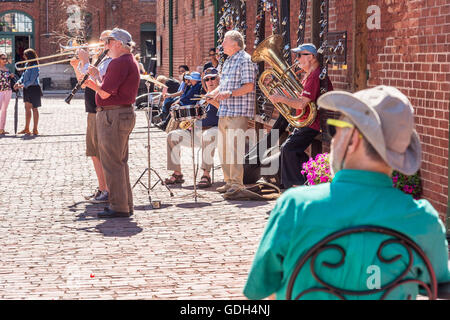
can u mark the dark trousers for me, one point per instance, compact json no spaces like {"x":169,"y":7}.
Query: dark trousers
{"x":293,"y":156}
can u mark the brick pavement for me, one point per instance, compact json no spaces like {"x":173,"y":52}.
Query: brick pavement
{"x":54,"y":247}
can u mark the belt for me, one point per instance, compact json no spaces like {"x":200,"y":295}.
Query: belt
{"x":206,"y":127}
{"x":107,"y":108}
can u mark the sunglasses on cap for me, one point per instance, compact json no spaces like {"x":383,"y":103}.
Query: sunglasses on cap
{"x":333,"y":123}
{"x":210,"y":78}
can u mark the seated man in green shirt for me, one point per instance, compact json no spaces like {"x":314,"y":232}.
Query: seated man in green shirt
{"x":374,"y":135}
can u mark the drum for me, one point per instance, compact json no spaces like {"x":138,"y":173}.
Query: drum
{"x":188,"y":112}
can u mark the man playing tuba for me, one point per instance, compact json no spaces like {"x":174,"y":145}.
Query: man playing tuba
{"x":293,"y":149}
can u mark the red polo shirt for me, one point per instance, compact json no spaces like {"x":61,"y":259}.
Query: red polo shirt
{"x":121,"y":81}
{"x":311,"y":91}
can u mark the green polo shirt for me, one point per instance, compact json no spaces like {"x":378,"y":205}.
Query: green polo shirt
{"x":305,"y":215}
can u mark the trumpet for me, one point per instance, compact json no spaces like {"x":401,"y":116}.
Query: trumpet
{"x":68,"y":51}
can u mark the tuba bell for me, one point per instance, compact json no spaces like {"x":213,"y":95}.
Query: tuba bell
{"x":283,"y":80}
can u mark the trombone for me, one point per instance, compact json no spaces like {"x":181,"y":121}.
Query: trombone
{"x":67,"y":51}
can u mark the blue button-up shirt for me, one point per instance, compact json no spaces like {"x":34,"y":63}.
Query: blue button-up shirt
{"x":190,"y":93}
{"x":30,"y":77}
{"x":238,"y":70}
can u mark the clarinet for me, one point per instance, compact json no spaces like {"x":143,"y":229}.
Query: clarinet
{"x":86,"y":76}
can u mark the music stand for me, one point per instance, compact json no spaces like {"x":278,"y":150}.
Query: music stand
{"x":149,"y":169}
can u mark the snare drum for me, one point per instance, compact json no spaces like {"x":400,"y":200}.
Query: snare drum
{"x":188,"y":112}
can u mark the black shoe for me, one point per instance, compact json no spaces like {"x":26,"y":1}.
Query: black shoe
{"x":162,"y":126}
{"x":108,"y":213}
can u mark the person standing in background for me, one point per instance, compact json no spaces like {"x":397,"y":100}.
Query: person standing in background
{"x":5,"y":90}
{"x":32,"y":92}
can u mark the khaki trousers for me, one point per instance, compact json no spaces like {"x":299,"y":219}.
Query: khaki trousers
{"x":113,"y":130}
{"x":178,"y":138}
{"x":231,"y":147}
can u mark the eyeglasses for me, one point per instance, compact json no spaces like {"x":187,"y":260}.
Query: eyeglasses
{"x":4,"y":59}
{"x":304,"y":54}
{"x":211,"y":78}
{"x":333,"y":123}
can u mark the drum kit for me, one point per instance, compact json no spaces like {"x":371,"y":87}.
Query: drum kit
{"x":187,"y":115}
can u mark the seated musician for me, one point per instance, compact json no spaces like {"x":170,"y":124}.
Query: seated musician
{"x":193,"y":91}
{"x":172,"y":88}
{"x":293,"y":149}
{"x":171,"y":99}
{"x":374,"y":135}
{"x":205,"y":135}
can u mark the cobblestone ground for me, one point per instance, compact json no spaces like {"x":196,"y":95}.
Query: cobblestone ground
{"x":53,"y":246}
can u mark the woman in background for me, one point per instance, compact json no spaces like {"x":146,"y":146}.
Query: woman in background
{"x":5,"y":90}
{"x":32,"y":93}
{"x":141,"y":66}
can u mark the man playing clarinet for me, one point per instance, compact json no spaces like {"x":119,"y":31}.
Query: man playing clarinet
{"x":115,"y":120}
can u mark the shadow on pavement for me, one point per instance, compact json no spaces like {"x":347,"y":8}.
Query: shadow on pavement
{"x":190,"y":205}
{"x":119,"y":227}
{"x":150,"y":208}
{"x":112,"y":227}
{"x":248,"y":204}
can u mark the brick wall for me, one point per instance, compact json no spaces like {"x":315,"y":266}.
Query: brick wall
{"x":193,"y":36}
{"x":128,"y":15}
{"x":410,"y":51}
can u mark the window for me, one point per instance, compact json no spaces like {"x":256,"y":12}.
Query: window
{"x":15,"y":22}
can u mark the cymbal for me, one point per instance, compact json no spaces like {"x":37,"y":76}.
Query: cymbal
{"x":149,"y":78}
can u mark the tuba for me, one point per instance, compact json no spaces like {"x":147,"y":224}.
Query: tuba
{"x":284,"y":80}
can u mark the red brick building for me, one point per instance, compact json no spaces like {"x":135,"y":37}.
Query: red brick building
{"x":405,"y":44}
{"x":43,"y":24}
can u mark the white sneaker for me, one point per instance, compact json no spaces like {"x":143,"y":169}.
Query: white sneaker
{"x":102,"y":197}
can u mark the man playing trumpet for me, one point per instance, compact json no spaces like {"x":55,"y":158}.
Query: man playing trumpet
{"x":205,"y":134}
{"x":293,"y":149}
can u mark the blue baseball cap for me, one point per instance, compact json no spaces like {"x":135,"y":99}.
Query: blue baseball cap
{"x":122,"y":36}
{"x":306,"y":47}
{"x":194,"y":76}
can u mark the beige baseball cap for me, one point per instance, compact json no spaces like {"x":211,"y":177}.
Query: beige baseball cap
{"x":385,"y":117}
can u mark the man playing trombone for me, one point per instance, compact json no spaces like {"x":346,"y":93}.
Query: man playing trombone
{"x":293,"y":149}
{"x":80,"y":67}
